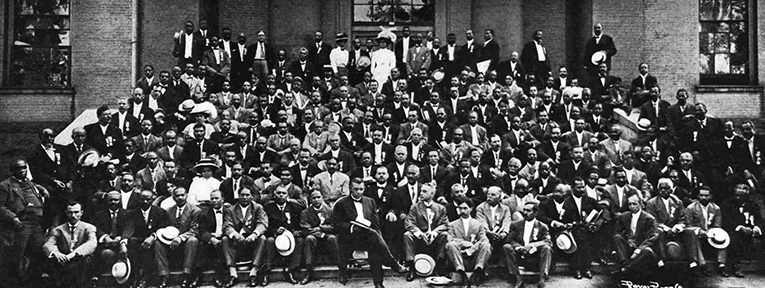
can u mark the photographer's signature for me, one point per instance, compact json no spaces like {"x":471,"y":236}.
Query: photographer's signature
{"x":652,"y":284}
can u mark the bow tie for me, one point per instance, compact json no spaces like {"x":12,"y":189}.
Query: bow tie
{"x":303,"y":168}
{"x":217,"y":211}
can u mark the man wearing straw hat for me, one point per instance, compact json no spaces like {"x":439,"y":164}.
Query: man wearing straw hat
{"x":703,"y":217}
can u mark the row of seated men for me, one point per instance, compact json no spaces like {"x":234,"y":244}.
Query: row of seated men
{"x":524,"y":236}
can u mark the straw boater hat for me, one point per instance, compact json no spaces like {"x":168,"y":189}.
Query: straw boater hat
{"x":341,"y":37}
{"x":89,"y":158}
{"x":167,"y":234}
{"x":186,"y":106}
{"x":121,"y":270}
{"x":674,"y":250}
{"x":718,"y":238}
{"x":598,"y":57}
{"x":643,"y":124}
{"x":565,"y":242}
{"x":424,"y":265}
{"x":206,"y":162}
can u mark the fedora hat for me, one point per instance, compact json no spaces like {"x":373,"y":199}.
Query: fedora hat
{"x":341,"y":37}
{"x":598,"y":57}
{"x":285,"y":243}
{"x":205,"y":162}
{"x":121,"y":270}
{"x":167,"y":234}
{"x":718,"y":238}
{"x":89,"y":158}
{"x":565,"y":242}
{"x":643,"y":124}
{"x":674,"y":250}
{"x":424,"y":265}
{"x":186,"y":105}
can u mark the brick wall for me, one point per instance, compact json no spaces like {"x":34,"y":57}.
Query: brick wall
{"x":101,"y":52}
{"x":452,"y":16}
{"x":505,"y":18}
{"x":289,"y":33}
{"x":624,"y":22}
{"x":548,"y":16}
{"x":245,"y":17}
{"x":159,"y":21}
{"x":733,"y":103}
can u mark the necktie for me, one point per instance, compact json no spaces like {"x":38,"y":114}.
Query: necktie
{"x":71,"y":233}
{"x":113,"y":231}
{"x":412,"y":193}
{"x":236,"y":186}
{"x":79,"y":149}
{"x":178,"y":216}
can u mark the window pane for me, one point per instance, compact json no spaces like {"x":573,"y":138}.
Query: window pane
{"x":721,"y":43}
{"x":37,"y":67}
{"x":424,"y":14}
{"x":704,"y":64}
{"x":723,"y":10}
{"x":722,"y":64}
{"x":361,"y":13}
{"x":738,"y":69}
{"x":711,"y":27}
{"x":365,"y":1}
{"x":403,"y":13}
{"x":705,"y":42}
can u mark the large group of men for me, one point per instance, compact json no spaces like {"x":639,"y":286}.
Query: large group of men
{"x":395,"y":148}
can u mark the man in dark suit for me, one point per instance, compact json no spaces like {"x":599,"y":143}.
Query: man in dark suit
{"x":469,"y":52}
{"x":128,"y":124}
{"x":175,"y":91}
{"x":263,"y":56}
{"x":104,"y":137}
{"x":669,"y":212}
{"x":361,"y":232}
{"x":601,"y":82}
{"x":655,"y":110}
{"x":469,"y":182}
{"x":188,"y":46}
{"x":231,"y":187}
{"x":356,"y":72}
{"x":381,"y":152}
{"x":185,"y":217}
{"x":318,"y":53}
{"x":49,"y":169}
{"x":755,"y":148}
{"x":634,"y":234}
{"x":533,"y":60}
{"x":244,"y":225}
{"x":680,"y":112}
{"x":315,"y":223}
{"x":578,"y":207}
{"x":531,"y":250}
{"x":140,"y":234}
{"x":283,"y":216}
{"x":198,"y":149}
{"x":577,"y":166}
{"x":304,"y":171}
{"x":148,"y":80}
{"x":240,"y":61}
{"x":303,"y":68}
{"x":111,"y":224}
{"x":742,"y":219}
{"x":598,"y":43}
{"x":512,"y":68}
{"x":401,"y":49}
{"x":69,"y":248}
{"x":130,"y":159}
{"x":557,"y":150}
{"x":449,"y":57}
{"x":211,"y":222}
{"x":701,"y":131}
{"x":545,"y":183}
{"x":641,"y":85}
{"x":489,"y":51}
{"x":441,"y":129}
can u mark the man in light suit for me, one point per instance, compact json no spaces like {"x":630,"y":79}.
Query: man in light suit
{"x":425,"y":227}
{"x":495,"y":216}
{"x":578,"y":136}
{"x":418,"y":56}
{"x":332,"y":183}
{"x":634,"y":235}
{"x":405,"y":130}
{"x":615,"y":146}
{"x":467,"y":242}
{"x":635,"y":177}
{"x":670,"y":217}
{"x":148,"y":177}
{"x":185,"y":217}
{"x":475,"y":134}
{"x":528,"y":244}
{"x":701,"y":216}
{"x":597,"y":157}
{"x":69,"y":262}
{"x":244,"y":225}
{"x":170,"y":151}
{"x":617,"y":193}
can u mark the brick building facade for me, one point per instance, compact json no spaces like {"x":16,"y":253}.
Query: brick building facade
{"x":105,"y":62}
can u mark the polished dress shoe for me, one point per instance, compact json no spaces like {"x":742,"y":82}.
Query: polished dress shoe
{"x":231,"y":282}
{"x":587,"y":274}
{"x":379,"y":285}
{"x":410,"y":275}
{"x":738,"y":273}
{"x":289,"y":277}
{"x":253,"y":281}
{"x":477,"y":277}
{"x":577,"y":275}
{"x":162,"y":282}
{"x":723,"y":272}
{"x":343,"y":276}
{"x":263,"y":280}
{"x":308,"y":278}
{"x":400,"y":269}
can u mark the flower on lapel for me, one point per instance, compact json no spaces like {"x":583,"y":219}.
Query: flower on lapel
{"x":289,"y":217}
{"x":110,"y":140}
{"x":534,"y":233}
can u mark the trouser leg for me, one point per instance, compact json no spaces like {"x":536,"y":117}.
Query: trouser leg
{"x":309,"y":246}
{"x":190,"y":253}
{"x":161,"y":251}
{"x":454,"y":254}
{"x":511,"y":258}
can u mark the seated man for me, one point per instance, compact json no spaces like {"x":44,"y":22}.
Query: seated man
{"x":244,"y":225}
{"x":634,"y":234}
{"x":467,"y":241}
{"x":140,"y":234}
{"x":332,"y":183}
{"x":425,"y":226}
{"x":211,"y":232}
{"x":283,"y":216}
{"x":356,"y":221}
{"x":701,"y":216}
{"x":315,"y":223}
{"x":495,"y":216}
{"x":185,"y":217}
{"x":69,"y":262}
{"x":742,"y":220}
{"x":670,"y":217}
{"x":110,"y":230}
{"x":529,"y":244}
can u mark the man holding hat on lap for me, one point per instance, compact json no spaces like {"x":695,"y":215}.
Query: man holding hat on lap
{"x":181,"y":234}
{"x":284,"y":235}
{"x":703,"y":222}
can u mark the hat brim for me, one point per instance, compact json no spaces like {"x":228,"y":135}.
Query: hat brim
{"x":716,"y":245}
{"x":573,"y":246}
{"x":291,"y":240}
{"x":197,"y":168}
{"x":121,"y":280}
{"x":428,"y":263}
{"x":167,"y":234}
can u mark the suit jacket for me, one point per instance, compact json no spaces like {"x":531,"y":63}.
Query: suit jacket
{"x":571,"y":138}
{"x":145,"y":85}
{"x":637,"y":179}
{"x":613,"y":197}
{"x":606,"y":43}
{"x":486,"y":116}
{"x":46,"y":170}
{"x":227,"y":188}
{"x":268,"y":50}
{"x":426,"y":175}
{"x":540,"y":234}
{"x":468,"y":136}
{"x":495,"y":223}
{"x":417,"y":220}
{"x":136,"y":162}
{"x":692,"y":185}
{"x":208,"y":224}
{"x":648,"y":111}
{"x":140,"y":228}
{"x":694,"y":137}
{"x":540,"y":134}
{"x":597,"y":126}
{"x":530,"y":60}
{"x":386,"y":156}
{"x":405,"y":130}
{"x":735,"y":214}
{"x":488,"y":159}
{"x":489,"y":51}
{"x":476,"y":233}
{"x":473,"y":187}
{"x":142,"y":146}
{"x":145,"y":179}
{"x":415,"y":61}
{"x":599,"y":159}
{"x":510,"y":142}
{"x":436,"y":134}
{"x":345,"y":160}
{"x":382,"y":196}
{"x":339,"y":187}
{"x":305,"y":74}
{"x":562,"y":153}
{"x":102,"y":220}
{"x":319,"y":57}
{"x":164,"y":153}
{"x":637,"y":84}
{"x":567,"y":173}
{"x":131,"y":126}
{"x":402,"y":200}
{"x":676,"y":215}
{"x":611,"y":150}
{"x":221,"y":68}
{"x":297,"y":177}
{"x":289,"y":218}
{"x":646,"y":231}
{"x":197,"y":46}
{"x":574,"y":214}
{"x":109,"y":143}
{"x":188,"y":223}
{"x":191,"y":152}
{"x":59,"y":239}
{"x":675,"y":115}
{"x":695,"y":218}
{"x":312,"y":218}
{"x":240,"y":60}
{"x":344,"y":212}
{"x":505,"y":68}
{"x":254,"y":220}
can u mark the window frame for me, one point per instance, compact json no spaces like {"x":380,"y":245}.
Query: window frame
{"x":409,"y":3}
{"x":55,"y":52}
{"x":750,"y":68}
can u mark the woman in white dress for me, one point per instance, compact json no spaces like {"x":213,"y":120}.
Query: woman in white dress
{"x":383,"y":60}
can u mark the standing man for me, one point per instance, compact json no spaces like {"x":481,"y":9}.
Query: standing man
{"x":263,"y":57}
{"x":188,"y":45}
{"x":489,"y":51}
{"x":21,"y":220}
{"x":598,"y":43}
{"x":469,"y":52}
{"x":240,"y":61}
{"x":339,"y":57}
{"x":401,"y":50}
{"x":318,"y":53}
{"x":355,"y":219}
{"x":69,"y":248}
{"x":534,"y":57}
{"x":418,"y":56}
